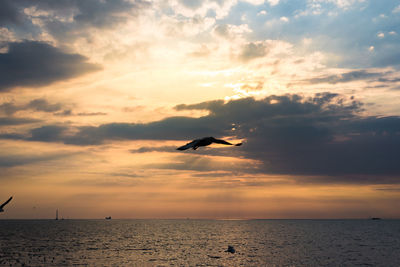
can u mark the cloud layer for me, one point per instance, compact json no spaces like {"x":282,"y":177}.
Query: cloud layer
{"x":33,"y":64}
{"x":67,"y":18}
{"x":290,"y":134}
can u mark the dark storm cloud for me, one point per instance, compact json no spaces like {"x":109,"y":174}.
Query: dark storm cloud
{"x":345,"y":77}
{"x":9,"y":108}
{"x":174,"y":128}
{"x":201,"y":106}
{"x":4,"y":121}
{"x":51,"y":133}
{"x":91,"y":13}
{"x":9,"y":14}
{"x":31,"y":63}
{"x":39,"y":104}
{"x":67,"y":18}
{"x":97,"y":13}
{"x":290,"y":134}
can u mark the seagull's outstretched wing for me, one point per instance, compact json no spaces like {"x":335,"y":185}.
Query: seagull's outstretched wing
{"x":5,"y":203}
{"x":188,"y":145}
{"x":205,"y":142}
{"x":220,"y":141}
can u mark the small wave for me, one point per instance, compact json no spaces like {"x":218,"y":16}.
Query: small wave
{"x":214,"y":257}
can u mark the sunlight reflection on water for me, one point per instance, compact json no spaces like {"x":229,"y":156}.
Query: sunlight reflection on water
{"x":200,"y":242}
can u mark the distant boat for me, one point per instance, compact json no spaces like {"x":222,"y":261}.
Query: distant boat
{"x":376,"y":218}
{"x":108,"y":218}
{"x":56,"y":214}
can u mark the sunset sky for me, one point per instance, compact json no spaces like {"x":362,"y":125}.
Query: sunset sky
{"x":96,"y":95}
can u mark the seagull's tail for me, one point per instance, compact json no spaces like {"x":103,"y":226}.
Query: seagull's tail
{"x":239,"y":144}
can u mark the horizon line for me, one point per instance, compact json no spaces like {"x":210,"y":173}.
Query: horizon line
{"x":214,"y":219}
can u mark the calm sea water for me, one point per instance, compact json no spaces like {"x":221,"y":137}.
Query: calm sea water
{"x":199,"y":242}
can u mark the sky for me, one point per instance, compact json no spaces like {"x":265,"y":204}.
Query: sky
{"x":96,"y":95}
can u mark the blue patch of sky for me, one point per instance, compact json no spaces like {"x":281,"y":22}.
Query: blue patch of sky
{"x":25,"y":29}
{"x":349,"y":33}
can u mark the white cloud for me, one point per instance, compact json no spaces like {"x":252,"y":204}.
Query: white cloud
{"x":371,"y":48}
{"x":190,"y":8}
{"x":262,"y":13}
{"x":186,"y":26}
{"x":381,"y":35}
{"x":273,"y":2}
{"x":396,"y":9}
{"x":230,"y":31}
{"x":6,"y":35}
{"x":284,"y":19}
{"x":256,"y":2}
{"x":392,"y":33}
{"x":200,"y":8}
{"x":307,"y":41}
{"x":340,"y":3}
{"x":312,"y":9}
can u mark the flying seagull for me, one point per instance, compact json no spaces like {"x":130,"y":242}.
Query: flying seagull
{"x":5,"y":203}
{"x":205,"y":141}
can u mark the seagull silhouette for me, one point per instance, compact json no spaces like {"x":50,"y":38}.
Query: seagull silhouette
{"x":205,"y":141}
{"x":5,"y":203}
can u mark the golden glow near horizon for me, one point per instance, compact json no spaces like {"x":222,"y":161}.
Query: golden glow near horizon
{"x":143,"y":60}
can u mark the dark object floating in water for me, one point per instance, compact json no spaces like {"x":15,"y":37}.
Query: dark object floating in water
{"x":108,"y":218}
{"x":56,"y":214}
{"x":5,"y":203}
{"x":230,"y":249}
{"x":205,"y":141}
{"x":376,"y":218}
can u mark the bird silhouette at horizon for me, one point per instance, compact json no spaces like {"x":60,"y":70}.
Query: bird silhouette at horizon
{"x":5,"y":203}
{"x":205,"y":141}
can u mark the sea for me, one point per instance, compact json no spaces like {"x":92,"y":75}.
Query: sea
{"x":199,"y":242}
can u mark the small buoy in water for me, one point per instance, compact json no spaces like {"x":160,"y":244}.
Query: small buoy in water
{"x":230,"y":249}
